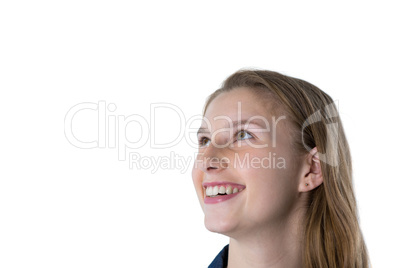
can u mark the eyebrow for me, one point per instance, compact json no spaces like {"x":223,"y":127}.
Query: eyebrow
{"x":235,"y":124}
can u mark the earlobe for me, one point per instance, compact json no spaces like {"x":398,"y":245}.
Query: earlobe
{"x":312,"y":176}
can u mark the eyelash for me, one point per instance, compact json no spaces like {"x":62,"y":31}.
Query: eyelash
{"x":203,"y":138}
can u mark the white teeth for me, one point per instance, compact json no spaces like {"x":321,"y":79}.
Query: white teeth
{"x":215,"y":190}
{"x":229,"y":190}
{"x":222,"y":190}
{"x":208,"y":192}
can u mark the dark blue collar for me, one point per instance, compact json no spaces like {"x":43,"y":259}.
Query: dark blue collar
{"x":221,"y":260}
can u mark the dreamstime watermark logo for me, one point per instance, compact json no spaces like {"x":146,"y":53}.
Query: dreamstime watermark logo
{"x":220,"y":132}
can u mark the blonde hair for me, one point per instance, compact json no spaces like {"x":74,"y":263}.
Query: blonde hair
{"x":332,"y":236}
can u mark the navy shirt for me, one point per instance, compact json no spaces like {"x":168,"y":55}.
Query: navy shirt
{"x":221,"y":260}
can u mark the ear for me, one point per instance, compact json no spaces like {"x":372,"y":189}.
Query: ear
{"x":311,"y":172}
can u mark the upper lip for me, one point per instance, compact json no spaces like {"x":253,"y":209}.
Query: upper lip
{"x":215,"y":183}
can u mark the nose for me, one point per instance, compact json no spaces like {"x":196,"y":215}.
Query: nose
{"x":213,"y":160}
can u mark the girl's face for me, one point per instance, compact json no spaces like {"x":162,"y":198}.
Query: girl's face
{"x":246,"y":174}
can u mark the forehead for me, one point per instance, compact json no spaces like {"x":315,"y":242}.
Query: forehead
{"x":239,"y":103}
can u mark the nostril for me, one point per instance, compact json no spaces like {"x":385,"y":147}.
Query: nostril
{"x":209,"y":168}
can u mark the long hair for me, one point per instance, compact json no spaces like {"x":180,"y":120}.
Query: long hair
{"x":332,"y":236}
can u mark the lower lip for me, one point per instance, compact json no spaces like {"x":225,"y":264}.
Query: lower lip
{"x":219,"y":198}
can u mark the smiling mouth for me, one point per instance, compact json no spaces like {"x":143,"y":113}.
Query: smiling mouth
{"x":219,"y":190}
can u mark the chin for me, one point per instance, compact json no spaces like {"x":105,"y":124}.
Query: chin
{"x":219,"y":225}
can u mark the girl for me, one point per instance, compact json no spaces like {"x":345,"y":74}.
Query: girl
{"x":274,"y":174}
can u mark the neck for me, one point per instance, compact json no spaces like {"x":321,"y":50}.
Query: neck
{"x":275,"y":247}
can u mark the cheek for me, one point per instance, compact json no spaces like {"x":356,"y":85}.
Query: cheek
{"x":271,"y":192}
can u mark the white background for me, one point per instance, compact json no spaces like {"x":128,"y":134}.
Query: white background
{"x":62,"y":206}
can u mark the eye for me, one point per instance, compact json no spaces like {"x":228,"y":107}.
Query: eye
{"x":243,"y":135}
{"x":203,"y":141}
